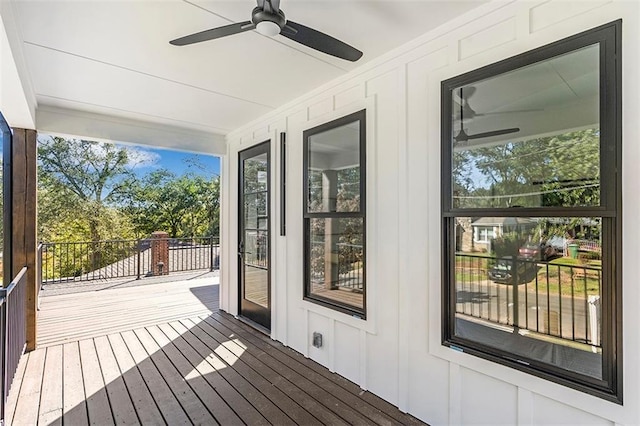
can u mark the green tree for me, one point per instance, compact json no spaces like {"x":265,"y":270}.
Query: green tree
{"x":183,"y":206}
{"x":80,"y":183}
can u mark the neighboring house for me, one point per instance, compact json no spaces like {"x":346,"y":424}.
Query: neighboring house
{"x":395,"y":119}
{"x":485,"y":229}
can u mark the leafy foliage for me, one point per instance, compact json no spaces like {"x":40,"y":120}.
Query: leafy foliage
{"x":89,"y":191}
{"x":560,"y":170}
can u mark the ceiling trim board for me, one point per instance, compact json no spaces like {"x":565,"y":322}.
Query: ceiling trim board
{"x":146,"y":74}
{"x":82,"y":124}
{"x":191,"y":125}
{"x":15,"y":43}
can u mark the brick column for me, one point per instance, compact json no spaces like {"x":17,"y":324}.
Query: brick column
{"x":159,"y":253}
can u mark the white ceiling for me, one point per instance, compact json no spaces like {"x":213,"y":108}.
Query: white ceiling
{"x":114,"y":58}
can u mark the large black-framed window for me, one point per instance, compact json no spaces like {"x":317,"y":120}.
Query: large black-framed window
{"x":531,"y":150}
{"x":334,"y":212}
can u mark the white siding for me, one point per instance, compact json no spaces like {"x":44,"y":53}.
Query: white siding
{"x":396,"y":353}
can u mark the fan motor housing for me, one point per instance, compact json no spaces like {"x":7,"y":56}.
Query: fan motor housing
{"x":259,"y":15}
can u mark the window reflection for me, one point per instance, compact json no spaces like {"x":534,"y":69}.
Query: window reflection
{"x":529,"y":137}
{"x":334,"y":170}
{"x":533,"y":288}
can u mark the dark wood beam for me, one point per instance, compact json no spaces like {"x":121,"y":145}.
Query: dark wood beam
{"x":23,"y":214}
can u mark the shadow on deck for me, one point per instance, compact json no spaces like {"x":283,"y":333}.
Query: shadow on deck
{"x":200,"y":366}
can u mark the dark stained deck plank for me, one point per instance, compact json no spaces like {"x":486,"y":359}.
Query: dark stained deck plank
{"x":122,"y":408}
{"x":73,"y":396}
{"x":12,"y":399}
{"x":26,"y":411}
{"x":193,"y":366}
{"x":98,"y":407}
{"x":165,"y":399}
{"x":303,"y":409}
{"x":213,"y":370}
{"x":222,"y":412}
{"x":50,"y":410}
{"x":344,"y":404}
{"x":375,"y":401}
{"x":183,"y":393}
{"x":146,"y":408}
{"x":283,"y":363}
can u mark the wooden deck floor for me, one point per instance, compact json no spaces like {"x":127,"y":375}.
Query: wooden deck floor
{"x":198,"y":368}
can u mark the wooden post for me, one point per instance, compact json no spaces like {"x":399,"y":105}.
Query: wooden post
{"x":331,"y":228}
{"x":23,"y":213}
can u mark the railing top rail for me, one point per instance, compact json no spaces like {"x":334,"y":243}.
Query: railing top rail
{"x":48,"y":244}
{"x":349,"y":245}
{"x":14,"y":283}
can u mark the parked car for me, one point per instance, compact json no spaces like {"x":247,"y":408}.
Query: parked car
{"x":559,"y":243}
{"x":537,"y":251}
{"x":502,"y":271}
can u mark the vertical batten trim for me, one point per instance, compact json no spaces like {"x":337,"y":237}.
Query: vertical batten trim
{"x":525,"y":407}
{"x":225,"y":226}
{"x":455,"y":394}
{"x":332,"y":346}
{"x":363,"y":359}
{"x":523,"y":23}
{"x":307,"y":333}
{"x":404,"y":298}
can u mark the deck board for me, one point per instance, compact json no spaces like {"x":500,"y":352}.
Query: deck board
{"x":124,"y":413}
{"x":51,"y":399}
{"x":165,"y":355}
{"x":29,"y":396}
{"x":98,"y":408}
{"x":303,"y":410}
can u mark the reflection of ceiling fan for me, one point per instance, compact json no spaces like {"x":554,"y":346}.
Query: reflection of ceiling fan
{"x":463,"y":101}
{"x":269,"y":20}
{"x":467,"y":112}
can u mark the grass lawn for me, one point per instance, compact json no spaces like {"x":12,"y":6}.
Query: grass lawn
{"x":565,"y":275}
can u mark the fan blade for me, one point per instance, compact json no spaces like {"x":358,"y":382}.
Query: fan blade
{"x":513,"y":111}
{"x":462,"y":95}
{"x":322,"y":42}
{"x":493,"y":133}
{"x":468,"y":91}
{"x":214,"y":33}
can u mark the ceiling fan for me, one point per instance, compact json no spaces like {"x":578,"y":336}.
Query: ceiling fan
{"x":269,"y":20}
{"x":467,"y":112}
{"x":463,"y":137}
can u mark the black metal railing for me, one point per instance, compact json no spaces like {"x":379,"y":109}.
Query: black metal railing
{"x":348,"y":271}
{"x":95,"y":260}
{"x":256,"y":249}
{"x":558,"y":299}
{"x":13,"y":331}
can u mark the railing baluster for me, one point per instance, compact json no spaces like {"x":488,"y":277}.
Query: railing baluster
{"x":139,"y":253}
{"x":211,"y":253}
{"x":573,"y":308}
{"x":586,"y":309}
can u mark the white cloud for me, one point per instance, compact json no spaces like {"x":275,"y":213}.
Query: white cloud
{"x":141,"y":158}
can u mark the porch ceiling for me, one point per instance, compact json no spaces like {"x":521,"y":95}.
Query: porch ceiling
{"x":113,"y":57}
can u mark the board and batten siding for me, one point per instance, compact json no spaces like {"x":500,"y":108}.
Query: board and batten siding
{"x":396,"y":353}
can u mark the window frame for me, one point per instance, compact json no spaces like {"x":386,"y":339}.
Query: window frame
{"x":359,"y":116}
{"x":608,"y":37}
{"x":489,"y":233}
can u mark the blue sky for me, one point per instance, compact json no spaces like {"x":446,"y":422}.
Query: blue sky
{"x":145,"y":159}
{"x":178,"y":162}
{"x":181,"y":162}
